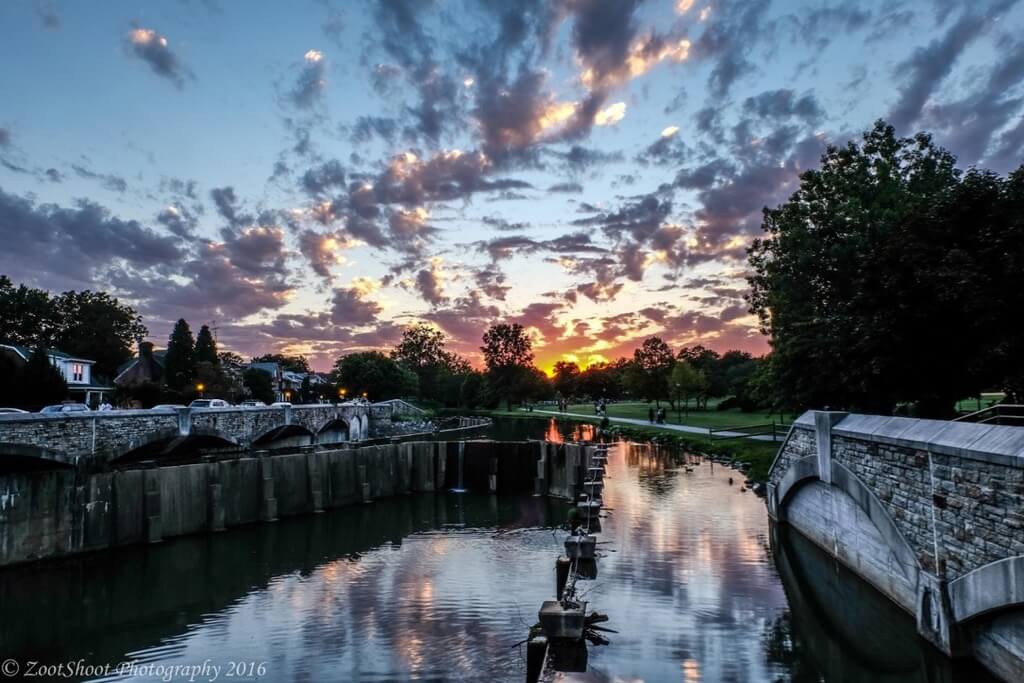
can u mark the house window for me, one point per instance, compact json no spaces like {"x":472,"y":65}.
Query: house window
{"x":76,"y":372}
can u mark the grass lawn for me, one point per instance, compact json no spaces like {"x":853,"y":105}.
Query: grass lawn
{"x":715,"y":419}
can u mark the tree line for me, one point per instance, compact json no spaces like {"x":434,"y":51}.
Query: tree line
{"x":421,"y":367}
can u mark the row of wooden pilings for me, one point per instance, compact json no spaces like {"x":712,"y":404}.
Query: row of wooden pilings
{"x":559,"y":641}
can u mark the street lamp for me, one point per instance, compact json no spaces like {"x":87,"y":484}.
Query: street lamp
{"x":200,"y":387}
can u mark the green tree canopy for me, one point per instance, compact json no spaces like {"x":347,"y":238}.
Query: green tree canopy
{"x":287,"y":362}
{"x":180,"y":359}
{"x":886,"y":277}
{"x":508,"y":353}
{"x":375,"y":375}
{"x":652,"y":364}
{"x":686,"y":382}
{"x":439,"y":371}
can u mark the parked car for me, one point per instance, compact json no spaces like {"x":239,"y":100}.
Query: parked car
{"x":281,"y":404}
{"x":9,"y":411}
{"x":169,"y":406}
{"x":209,"y":403}
{"x":251,"y":403}
{"x":66,"y":408}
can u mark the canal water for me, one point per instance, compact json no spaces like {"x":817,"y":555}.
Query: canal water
{"x":444,"y":586}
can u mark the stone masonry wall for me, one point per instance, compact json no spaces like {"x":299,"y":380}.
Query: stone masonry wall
{"x":799,"y":445}
{"x":955,"y":491}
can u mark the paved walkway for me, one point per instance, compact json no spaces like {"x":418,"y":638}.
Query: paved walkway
{"x":688,"y":429}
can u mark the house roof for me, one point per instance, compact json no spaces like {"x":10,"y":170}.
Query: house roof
{"x":25,"y":352}
{"x":158,"y":356}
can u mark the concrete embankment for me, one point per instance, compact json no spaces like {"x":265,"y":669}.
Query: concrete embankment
{"x":54,"y":513}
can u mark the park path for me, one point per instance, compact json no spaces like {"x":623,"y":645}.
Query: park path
{"x":688,"y":429}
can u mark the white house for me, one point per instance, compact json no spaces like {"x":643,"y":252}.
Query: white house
{"x":77,"y":373}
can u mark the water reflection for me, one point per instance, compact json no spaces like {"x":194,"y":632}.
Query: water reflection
{"x":441,"y":587}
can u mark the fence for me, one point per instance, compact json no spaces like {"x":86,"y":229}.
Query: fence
{"x":776,"y":430}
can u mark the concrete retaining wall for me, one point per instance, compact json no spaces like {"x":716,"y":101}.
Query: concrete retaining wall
{"x":929,"y":512}
{"x":56,"y":513}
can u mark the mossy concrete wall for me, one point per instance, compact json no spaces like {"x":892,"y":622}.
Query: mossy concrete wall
{"x":48,"y":514}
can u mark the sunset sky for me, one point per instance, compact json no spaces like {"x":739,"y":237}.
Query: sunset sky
{"x":315,"y":176}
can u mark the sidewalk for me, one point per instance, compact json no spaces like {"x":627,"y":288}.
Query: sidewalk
{"x":702,"y":431}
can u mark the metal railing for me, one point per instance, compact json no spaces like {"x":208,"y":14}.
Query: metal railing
{"x":999,"y":414}
{"x":774,"y":429}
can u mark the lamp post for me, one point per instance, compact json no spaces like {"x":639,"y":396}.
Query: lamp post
{"x":200,"y":387}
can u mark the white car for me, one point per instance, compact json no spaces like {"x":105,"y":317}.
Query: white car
{"x":209,"y":403}
{"x":11,"y":411}
{"x":281,"y":404}
{"x":169,"y":406}
{"x":252,"y":403}
{"x":66,"y":408}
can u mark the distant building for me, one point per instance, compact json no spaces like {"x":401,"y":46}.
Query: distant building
{"x":148,"y":366}
{"x":286,"y":383}
{"x":77,"y":373}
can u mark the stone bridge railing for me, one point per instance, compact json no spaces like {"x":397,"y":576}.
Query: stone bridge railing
{"x":929,"y":512}
{"x":101,"y":438}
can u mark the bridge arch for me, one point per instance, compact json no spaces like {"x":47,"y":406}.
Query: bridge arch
{"x":164,"y":441}
{"x":337,"y":430}
{"x":844,"y":481}
{"x":993,"y":587}
{"x":30,"y":456}
{"x":285,"y":435}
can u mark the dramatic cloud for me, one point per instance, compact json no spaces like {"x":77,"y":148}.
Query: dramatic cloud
{"x":592,"y":169}
{"x":81,"y":243}
{"x":311,"y":81}
{"x":154,"y":49}
{"x":928,"y":66}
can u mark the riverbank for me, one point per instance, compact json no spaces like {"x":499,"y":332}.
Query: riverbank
{"x":754,"y":457}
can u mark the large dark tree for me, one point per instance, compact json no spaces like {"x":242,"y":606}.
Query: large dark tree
{"x":508,"y":353}
{"x":567,"y":378}
{"x":374,"y":375}
{"x":98,"y":327}
{"x":260,"y":385}
{"x":887,"y":277}
{"x":39,"y":383}
{"x":90,"y":325}
{"x":27,"y":316}
{"x":206,"y":347}
{"x":180,"y":359}
{"x":440,"y":372}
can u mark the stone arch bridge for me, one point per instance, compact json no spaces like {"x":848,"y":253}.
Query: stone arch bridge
{"x":929,"y":512}
{"x":98,"y":440}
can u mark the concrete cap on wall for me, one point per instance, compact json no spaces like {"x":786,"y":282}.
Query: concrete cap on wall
{"x":992,"y":443}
